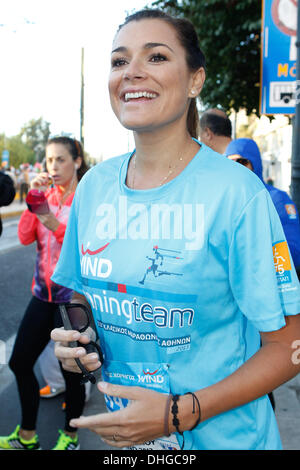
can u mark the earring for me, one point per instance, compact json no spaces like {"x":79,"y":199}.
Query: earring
{"x":193,"y":92}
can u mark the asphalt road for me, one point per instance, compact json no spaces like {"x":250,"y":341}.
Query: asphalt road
{"x":16,"y":270}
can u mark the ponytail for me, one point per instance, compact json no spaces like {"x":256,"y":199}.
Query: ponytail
{"x":193,"y":122}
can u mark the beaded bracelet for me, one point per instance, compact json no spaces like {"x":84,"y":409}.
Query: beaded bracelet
{"x":174,"y":410}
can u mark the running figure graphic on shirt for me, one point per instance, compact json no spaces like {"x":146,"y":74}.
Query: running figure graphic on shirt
{"x":158,"y":261}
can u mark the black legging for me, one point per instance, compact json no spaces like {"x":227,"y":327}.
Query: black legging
{"x":33,"y":335}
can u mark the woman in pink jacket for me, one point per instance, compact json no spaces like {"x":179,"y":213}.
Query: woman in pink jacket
{"x":65,"y":165}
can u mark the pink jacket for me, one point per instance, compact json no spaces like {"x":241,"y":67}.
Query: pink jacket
{"x":49,"y":244}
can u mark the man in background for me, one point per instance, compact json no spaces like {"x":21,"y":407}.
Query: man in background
{"x":215,"y":129}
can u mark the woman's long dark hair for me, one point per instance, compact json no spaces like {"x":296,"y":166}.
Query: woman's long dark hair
{"x":194,"y":56}
{"x":75,"y":149}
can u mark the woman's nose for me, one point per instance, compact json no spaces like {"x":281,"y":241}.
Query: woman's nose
{"x":54,"y":165}
{"x":134,"y":70}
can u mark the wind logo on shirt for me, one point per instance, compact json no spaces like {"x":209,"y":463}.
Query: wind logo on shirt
{"x":282,"y":262}
{"x":95,"y":265}
{"x":151,"y":377}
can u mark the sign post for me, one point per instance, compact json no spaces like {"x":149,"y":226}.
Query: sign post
{"x":5,"y":158}
{"x":279,"y":55}
{"x":295,"y":177}
{"x":280,"y":73}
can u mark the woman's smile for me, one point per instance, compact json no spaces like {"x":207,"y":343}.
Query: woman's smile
{"x":138,"y":95}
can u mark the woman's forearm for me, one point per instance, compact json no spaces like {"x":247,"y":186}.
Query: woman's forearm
{"x":266,"y":370}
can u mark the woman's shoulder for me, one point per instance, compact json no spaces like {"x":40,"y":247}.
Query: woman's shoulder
{"x":225,"y":180}
{"x":231,"y":173}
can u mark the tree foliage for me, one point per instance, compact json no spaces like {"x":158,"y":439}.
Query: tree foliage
{"x":29,"y":145}
{"x":36,"y":134}
{"x":229,"y":33}
{"x":19,"y":151}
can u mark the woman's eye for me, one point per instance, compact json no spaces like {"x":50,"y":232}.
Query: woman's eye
{"x":118,"y":62}
{"x":158,"y":58}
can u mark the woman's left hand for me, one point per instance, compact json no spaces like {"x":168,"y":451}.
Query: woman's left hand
{"x":141,"y":421}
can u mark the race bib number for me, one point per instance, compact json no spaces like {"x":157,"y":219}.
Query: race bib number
{"x":149,"y":375}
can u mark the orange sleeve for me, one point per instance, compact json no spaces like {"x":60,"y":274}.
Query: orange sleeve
{"x":27,"y":228}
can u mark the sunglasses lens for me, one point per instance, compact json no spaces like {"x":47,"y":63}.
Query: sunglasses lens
{"x":242,"y":161}
{"x":78,"y":318}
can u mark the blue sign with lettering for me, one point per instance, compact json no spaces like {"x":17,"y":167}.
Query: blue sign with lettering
{"x":278,"y":58}
{"x":5,"y":157}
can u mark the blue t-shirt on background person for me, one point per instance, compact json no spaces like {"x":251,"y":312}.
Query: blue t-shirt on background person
{"x":180,"y":278}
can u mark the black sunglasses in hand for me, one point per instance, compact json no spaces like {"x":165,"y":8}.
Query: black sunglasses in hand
{"x":76,"y":317}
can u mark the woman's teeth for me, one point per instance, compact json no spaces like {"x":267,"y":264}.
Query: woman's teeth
{"x":139,"y":94}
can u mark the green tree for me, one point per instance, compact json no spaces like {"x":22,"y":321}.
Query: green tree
{"x":35,"y":134}
{"x":229,"y":33}
{"x":19,"y":152}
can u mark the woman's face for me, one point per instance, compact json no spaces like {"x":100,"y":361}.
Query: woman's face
{"x":60,"y":164}
{"x":149,"y":83}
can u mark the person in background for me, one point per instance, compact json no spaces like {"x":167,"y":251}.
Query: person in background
{"x":51,"y":373}
{"x":171,"y":306}
{"x":65,"y":165}
{"x":24,"y":182}
{"x":7,"y":192}
{"x":215,"y":129}
{"x":246,"y":152}
{"x":53,"y":377}
{"x":10,"y":171}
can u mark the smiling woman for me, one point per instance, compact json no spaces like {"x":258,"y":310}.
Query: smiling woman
{"x":154,"y":71}
{"x":180,"y":324}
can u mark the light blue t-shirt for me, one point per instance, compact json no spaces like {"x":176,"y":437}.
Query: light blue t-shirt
{"x":180,"y":279}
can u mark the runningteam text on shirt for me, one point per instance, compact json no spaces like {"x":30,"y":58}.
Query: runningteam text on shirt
{"x":144,"y":313}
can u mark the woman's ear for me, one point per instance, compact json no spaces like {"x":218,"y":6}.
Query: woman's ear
{"x":197,"y":82}
{"x":78,"y":163}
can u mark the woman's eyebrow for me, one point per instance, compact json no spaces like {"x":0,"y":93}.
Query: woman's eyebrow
{"x":148,"y":45}
{"x":120,"y":49}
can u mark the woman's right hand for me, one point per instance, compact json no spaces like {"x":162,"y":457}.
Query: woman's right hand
{"x":41,"y":181}
{"x":67,"y":354}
